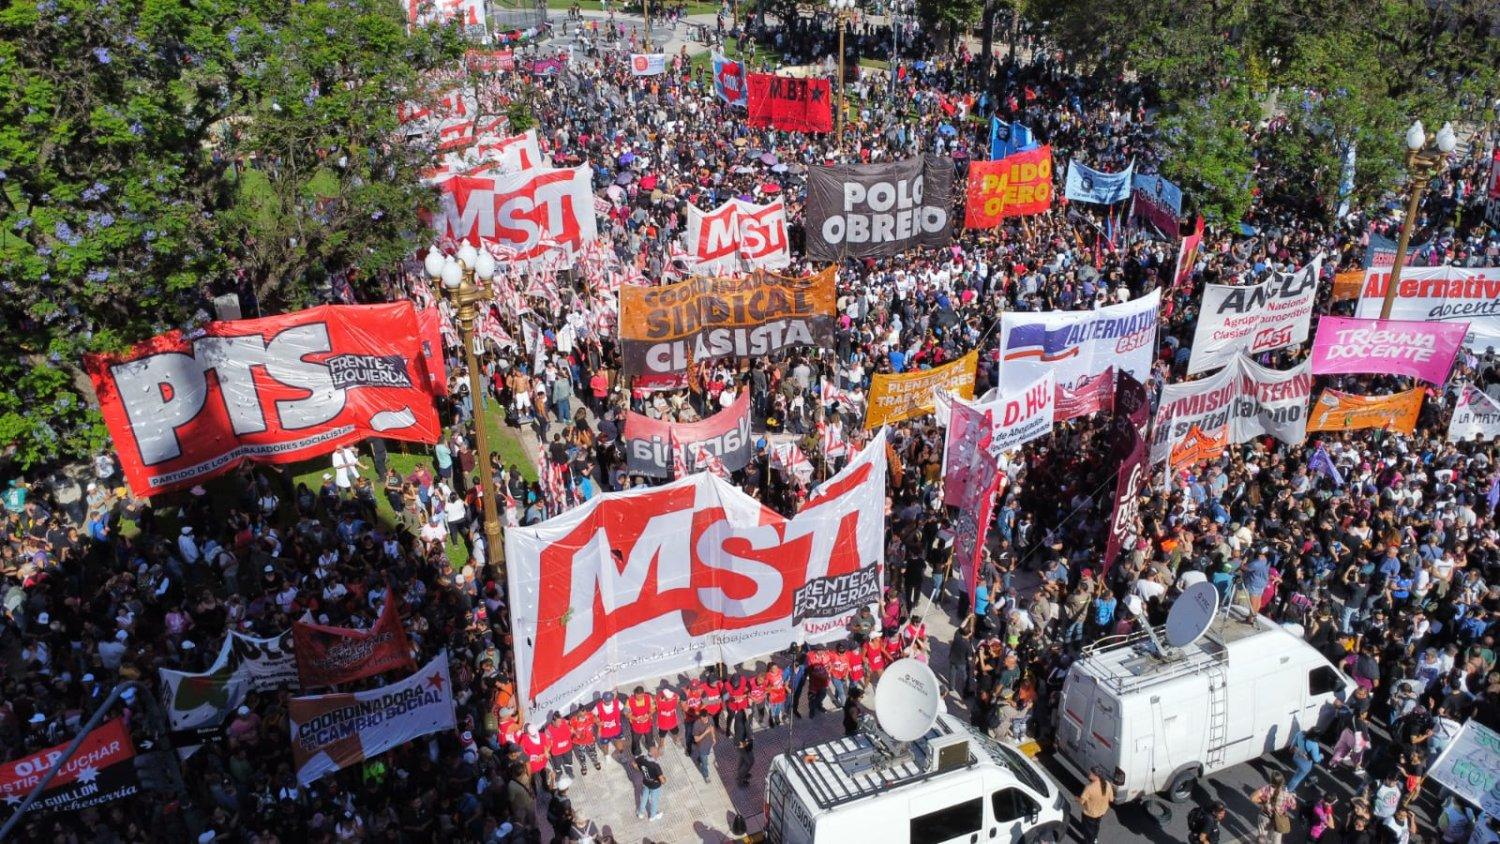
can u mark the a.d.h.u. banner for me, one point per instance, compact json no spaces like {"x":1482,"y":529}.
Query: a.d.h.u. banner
{"x":664,"y":329}
{"x":655,"y":580}
{"x":654,"y":447}
{"x":182,"y":408}
{"x":878,"y":210}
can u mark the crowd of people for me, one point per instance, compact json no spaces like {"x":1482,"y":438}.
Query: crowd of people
{"x":1392,"y":572}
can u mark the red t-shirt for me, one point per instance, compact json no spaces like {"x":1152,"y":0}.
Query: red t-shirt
{"x":582,"y":723}
{"x":640,"y":713}
{"x":559,"y":737}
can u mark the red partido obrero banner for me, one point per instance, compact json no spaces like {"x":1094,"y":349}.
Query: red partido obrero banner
{"x":98,"y":772}
{"x":657,"y":580}
{"x":327,"y":656}
{"x":283,"y":389}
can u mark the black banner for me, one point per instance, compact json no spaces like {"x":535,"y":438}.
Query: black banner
{"x":879,"y":210}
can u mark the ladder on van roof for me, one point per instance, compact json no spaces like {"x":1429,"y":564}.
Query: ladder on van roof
{"x":1218,"y":715}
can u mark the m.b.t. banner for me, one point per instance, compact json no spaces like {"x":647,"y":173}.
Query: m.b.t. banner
{"x":878,"y":210}
{"x":788,"y":103}
{"x":182,"y":408}
{"x":1015,"y":186}
{"x":656,"y":580}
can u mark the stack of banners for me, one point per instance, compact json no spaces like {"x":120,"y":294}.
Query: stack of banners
{"x":1187,"y":257}
{"x":729,"y":81}
{"x":1198,"y":446}
{"x":737,"y":235}
{"x":283,"y":389}
{"x":1017,"y":419}
{"x":101,"y":770}
{"x":1440,"y":294}
{"x":971,"y":476}
{"x":878,"y":210}
{"x":655,"y":580}
{"x":526,"y":215}
{"x":1253,"y":318}
{"x":789,"y":461}
{"x":1007,"y":139}
{"x":1132,"y":413}
{"x":1424,"y":350}
{"x":327,"y":656}
{"x":652,"y":446}
{"x":1014,"y":186}
{"x":1477,"y":417}
{"x":648,"y":64}
{"x":1244,"y":400}
{"x":338,"y":731}
{"x":511,"y":153}
{"x":1158,"y":202}
{"x":664,"y":329}
{"x":895,"y":398}
{"x":788,"y":103}
{"x":1085,"y":184}
{"x":1336,"y":411}
{"x":1082,"y":348}
{"x":466,"y":13}
{"x":427,"y":117}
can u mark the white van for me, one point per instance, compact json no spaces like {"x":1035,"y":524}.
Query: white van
{"x":952,"y":786}
{"x":1239,"y":691}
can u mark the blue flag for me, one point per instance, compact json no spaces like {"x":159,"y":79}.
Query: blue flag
{"x":1494,"y":496}
{"x":1009,"y":139}
{"x":1321,"y":462}
{"x":729,"y":81}
{"x":1085,"y":184}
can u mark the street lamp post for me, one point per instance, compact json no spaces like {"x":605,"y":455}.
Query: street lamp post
{"x":841,"y":10}
{"x":457,"y":275}
{"x":1422,"y":162}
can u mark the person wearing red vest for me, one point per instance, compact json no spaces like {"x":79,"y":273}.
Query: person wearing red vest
{"x":758,"y":698}
{"x":875,"y":656}
{"x":713,"y":699}
{"x":610,"y":715}
{"x":534,"y":746}
{"x":583,"y":725}
{"x":776,"y":694}
{"x":640,"y":709}
{"x":838,"y":673}
{"x":739,"y":695}
{"x":560,"y":746}
{"x":510,"y":730}
{"x":856,"y":667}
{"x":668,"y":715}
{"x":817,"y":679}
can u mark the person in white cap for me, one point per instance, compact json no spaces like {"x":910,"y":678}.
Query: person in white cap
{"x":112,"y":651}
{"x":187,"y":546}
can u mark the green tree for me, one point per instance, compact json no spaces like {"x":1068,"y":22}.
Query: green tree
{"x":120,"y":214}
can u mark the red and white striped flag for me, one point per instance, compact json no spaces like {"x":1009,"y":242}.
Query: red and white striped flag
{"x":831,"y":440}
{"x":793,"y":465}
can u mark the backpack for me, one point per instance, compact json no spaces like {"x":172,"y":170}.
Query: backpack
{"x":1197,"y":820}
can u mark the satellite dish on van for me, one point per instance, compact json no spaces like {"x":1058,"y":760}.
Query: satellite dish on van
{"x":1191,"y":614}
{"x":907,"y":700}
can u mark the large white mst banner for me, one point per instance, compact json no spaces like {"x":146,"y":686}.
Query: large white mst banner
{"x":652,"y":581}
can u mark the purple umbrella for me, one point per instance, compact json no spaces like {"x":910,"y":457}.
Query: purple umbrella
{"x":626,"y":158}
{"x":768,"y":158}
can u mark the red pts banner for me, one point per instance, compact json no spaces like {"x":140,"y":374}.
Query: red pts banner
{"x":327,"y":656}
{"x":273,"y":390}
{"x":790,"y":104}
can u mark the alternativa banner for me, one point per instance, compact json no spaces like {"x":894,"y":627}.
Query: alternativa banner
{"x":334,"y":732}
{"x":1253,"y":318}
{"x":1424,"y":350}
{"x":327,"y":656}
{"x":1080,"y":348}
{"x":656,"y":580}
{"x":878,"y":210}
{"x":894,"y":398}
{"x":653,"y":447}
{"x":664,"y":329}
{"x":1015,"y":186}
{"x":1440,"y":294}
{"x":1336,"y":411}
{"x":1477,"y":417}
{"x":100,"y":771}
{"x":1243,"y":400}
{"x":284,"y":388}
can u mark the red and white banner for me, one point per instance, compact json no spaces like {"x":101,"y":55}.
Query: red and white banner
{"x":327,"y":656}
{"x":424,"y":12}
{"x":338,"y":731}
{"x":1423,"y":350}
{"x":283,"y":389}
{"x":1476,"y":417}
{"x":657,"y":580}
{"x":1016,"y":419}
{"x":510,"y":154}
{"x":652,"y":446}
{"x":971,"y":474}
{"x":1253,"y":318}
{"x":1440,"y":294}
{"x":1187,"y":257}
{"x":1243,"y":400}
{"x":737,"y":235}
{"x":100,"y":770}
{"x":527,"y":214}
{"x":790,"y":104}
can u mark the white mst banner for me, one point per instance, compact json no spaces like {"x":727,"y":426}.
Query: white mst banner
{"x":1254,"y":318}
{"x":656,"y":580}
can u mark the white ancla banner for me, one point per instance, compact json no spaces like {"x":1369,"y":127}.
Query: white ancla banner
{"x":1253,"y":318}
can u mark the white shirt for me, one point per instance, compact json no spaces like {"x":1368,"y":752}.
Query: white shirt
{"x":345,"y":461}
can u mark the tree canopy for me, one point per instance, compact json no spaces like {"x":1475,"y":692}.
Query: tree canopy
{"x":154,"y":153}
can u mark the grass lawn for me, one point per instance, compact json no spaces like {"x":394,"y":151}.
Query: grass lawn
{"x":633,"y":7}
{"x":754,"y":57}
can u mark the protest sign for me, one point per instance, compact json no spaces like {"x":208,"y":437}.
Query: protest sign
{"x":971,"y":474}
{"x":267,"y":665}
{"x":1018,"y":419}
{"x":337,"y":731}
{"x":788,"y":103}
{"x":878,"y":210}
{"x":1158,"y":202}
{"x":1476,"y":417}
{"x":1446,"y":294}
{"x":1424,"y":350}
{"x":327,"y":656}
{"x":1469,"y":766}
{"x":1011,"y":187}
{"x":1085,"y":184}
{"x":1253,"y":318}
{"x":1244,"y":400}
{"x":729,"y":81}
{"x":1346,"y":285}
{"x":527,"y":216}
{"x":894,"y":398}
{"x":664,"y":329}
{"x":1198,"y":446}
{"x":1007,"y":139}
{"x":1337,"y":411}
{"x":648,"y":64}
{"x":102,"y":769}
{"x":283,"y":389}
{"x":1187,"y":258}
{"x":737,"y":235}
{"x":659,"y":580}
{"x":653,"y":447}
{"x":1130,"y":444}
